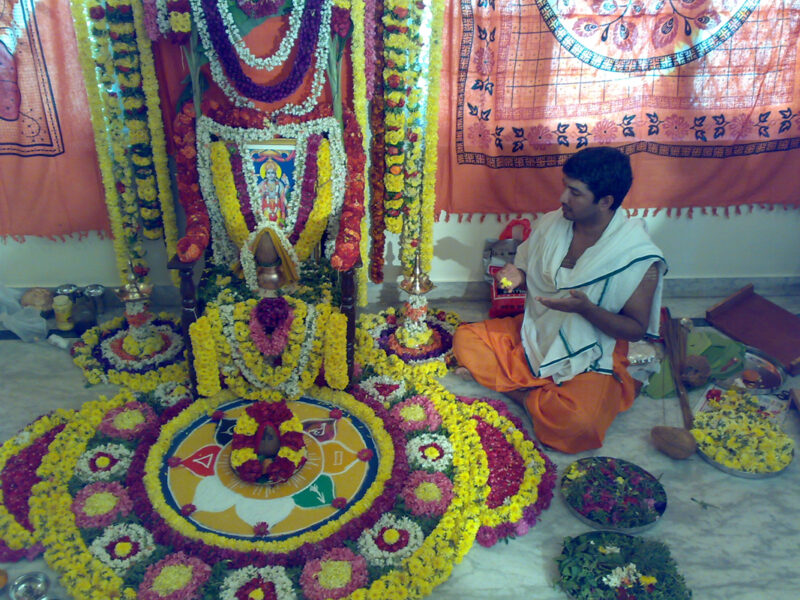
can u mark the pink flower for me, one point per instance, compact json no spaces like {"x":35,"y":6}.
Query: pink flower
{"x":329,"y":578}
{"x":99,"y":504}
{"x":153,"y":588}
{"x":188,"y":509}
{"x":261,"y":529}
{"x":217,"y":415}
{"x":486,"y":537}
{"x":417,"y":414}
{"x":605,"y":131}
{"x":676,"y":127}
{"x":336,"y":413}
{"x":129,"y":421}
{"x":339,"y":502}
{"x":365,"y":454}
{"x":427,"y":494}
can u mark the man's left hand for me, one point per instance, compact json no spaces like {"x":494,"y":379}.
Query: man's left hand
{"x":576,"y":302}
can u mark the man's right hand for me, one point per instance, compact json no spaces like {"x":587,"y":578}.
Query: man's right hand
{"x":512,"y":274}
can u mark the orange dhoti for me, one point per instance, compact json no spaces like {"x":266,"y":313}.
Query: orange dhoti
{"x":572,"y":416}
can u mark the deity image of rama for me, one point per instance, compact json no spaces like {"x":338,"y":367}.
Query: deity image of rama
{"x":273,"y":189}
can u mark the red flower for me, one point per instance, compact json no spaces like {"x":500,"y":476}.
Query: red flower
{"x":395,"y":81}
{"x":400,"y":12}
{"x":218,"y":415}
{"x":365,"y":454}
{"x":339,"y":502}
{"x":97,"y":13}
{"x":336,"y":413}
{"x":188,"y":509}
{"x":174,"y":461}
{"x":261,"y":529}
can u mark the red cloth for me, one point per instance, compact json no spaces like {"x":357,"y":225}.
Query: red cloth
{"x":571,"y":417}
{"x":50,"y":184}
{"x":705,"y":102}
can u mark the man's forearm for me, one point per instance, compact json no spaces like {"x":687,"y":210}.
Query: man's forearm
{"x":618,"y":326}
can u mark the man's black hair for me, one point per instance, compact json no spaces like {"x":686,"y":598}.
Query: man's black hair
{"x":605,"y":171}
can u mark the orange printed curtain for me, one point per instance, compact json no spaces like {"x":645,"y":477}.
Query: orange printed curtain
{"x":703,"y":95}
{"x":50,"y":184}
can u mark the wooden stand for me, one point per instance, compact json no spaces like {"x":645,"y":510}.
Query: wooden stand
{"x":753,"y":320}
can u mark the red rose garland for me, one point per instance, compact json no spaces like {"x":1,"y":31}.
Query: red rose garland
{"x":348,"y":241}
{"x":377,"y":170}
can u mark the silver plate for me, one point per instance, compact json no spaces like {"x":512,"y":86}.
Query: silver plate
{"x":30,"y":586}
{"x":738,"y":473}
{"x":772,"y":375}
{"x":608,"y":527}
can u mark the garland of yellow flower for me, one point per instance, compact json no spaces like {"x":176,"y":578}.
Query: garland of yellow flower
{"x":50,"y":512}
{"x":431,"y":136}
{"x":335,"y":357}
{"x":155,"y":460}
{"x":205,"y":358}
{"x":227,"y":196}
{"x":15,"y":536}
{"x":358,"y":54}
{"x":157,"y":138}
{"x":318,"y":219}
{"x":80,"y":16}
{"x":127,"y":59}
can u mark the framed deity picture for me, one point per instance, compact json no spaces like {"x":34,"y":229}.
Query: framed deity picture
{"x":273,"y":164}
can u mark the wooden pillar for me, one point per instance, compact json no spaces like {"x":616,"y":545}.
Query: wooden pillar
{"x":188,"y":311}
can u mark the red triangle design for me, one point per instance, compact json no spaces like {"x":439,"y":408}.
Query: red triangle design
{"x":202,"y":461}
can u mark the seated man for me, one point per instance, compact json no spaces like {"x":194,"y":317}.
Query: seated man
{"x":594,"y":283}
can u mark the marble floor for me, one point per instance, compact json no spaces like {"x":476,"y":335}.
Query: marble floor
{"x":743,"y":544}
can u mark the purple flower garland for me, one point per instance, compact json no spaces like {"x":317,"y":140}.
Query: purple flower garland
{"x":308,"y":190}
{"x":307,"y":40}
{"x":242,"y":192}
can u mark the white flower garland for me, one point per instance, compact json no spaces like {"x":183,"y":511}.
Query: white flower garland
{"x":370,"y":386}
{"x":170,"y":393}
{"x":381,"y":558}
{"x":321,"y":51}
{"x":418,"y":459}
{"x":284,"y":589}
{"x":292,"y":386}
{"x":215,"y":66}
{"x":136,"y":533}
{"x":267,"y":63}
{"x":162,"y":17}
{"x":247,"y":255}
{"x":224,"y":250}
{"x":84,"y":471}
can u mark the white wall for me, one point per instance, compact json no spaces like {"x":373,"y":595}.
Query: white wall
{"x":758,"y":244}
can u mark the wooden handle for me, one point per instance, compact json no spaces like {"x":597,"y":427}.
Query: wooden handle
{"x":675,"y":341}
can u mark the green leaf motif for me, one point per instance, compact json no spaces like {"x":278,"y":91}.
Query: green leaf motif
{"x":319,"y":493}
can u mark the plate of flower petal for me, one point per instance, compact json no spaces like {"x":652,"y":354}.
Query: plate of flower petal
{"x":613,"y":494}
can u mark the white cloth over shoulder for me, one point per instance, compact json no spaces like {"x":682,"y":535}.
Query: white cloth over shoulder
{"x":562,"y":345}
